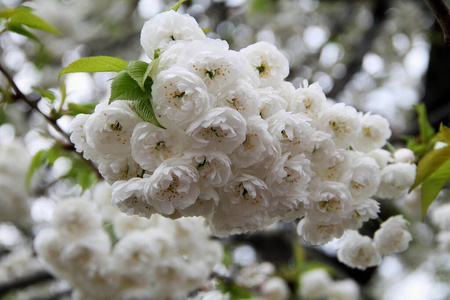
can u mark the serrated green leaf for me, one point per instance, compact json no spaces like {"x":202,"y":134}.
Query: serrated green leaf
{"x":30,"y":20}
{"x":427,"y":132}
{"x":443,"y":134}
{"x":433,"y":185}
{"x":138,"y":71}
{"x":145,"y":110}
{"x":87,"y":108}
{"x":45,"y":93}
{"x":124,"y":87}
{"x":19,"y":29}
{"x":94,"y":64}
{"x":36,"y":162}
{"x":177,"y":5}
{"x":430,"y":163}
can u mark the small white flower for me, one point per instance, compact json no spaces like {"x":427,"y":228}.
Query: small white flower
{"x":275,"y":288}
{"x":78,"y":137}
{"x":362,"y":212}
{"x":337,"y":167}
{"x":151,"y":145}
{"x":129,"y":197}
{"x":393,"y":237}
{"x":221,"y":128}
{"x":342,"y":122}
{"x":214,"y":167}
{"x":308,"y":99}
{"x":179,"y":97}
{"x":270,"y":102}
{"x":322,"y":151}
{"x":374,"y":133}
{"x":358,"y":251}
{"x":206,"y":203}
{"x":267,"y":61}
{"x":317,"y":233}
{"x":346,"y":289}
{"x":440,"y":216}
{"x":396,"y":179}
{"x":165,"y":28}
{"x":443,"y":240}
{"x":365,"y":179}
{"x":119,"y":169}
{"x":242,"y":97}
{"x":404,"y":155}
{"x":174,"y":184}
{"x":314,"y":284}
{"x":381,"y":156}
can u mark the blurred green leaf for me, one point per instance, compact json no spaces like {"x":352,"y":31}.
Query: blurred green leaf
{"x":45,"y":93}
{"x":36,"y":162}
{"x":427,"y":132}
{"x":443,"y":134}
{"x":109,"y":228}
{"x":124,"y":87}
{"x":206,"y":30}
{"x":430,"y":163}
{"x":145,"y":110}
{"x":94,"y":64}
{"x":433,"y":185}
{"x":87,"y":108}
{"x":177,"y":5}
{"x":19,"y":29}
{"x":138,"y":71}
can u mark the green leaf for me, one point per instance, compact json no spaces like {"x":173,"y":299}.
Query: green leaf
{"x":430,"y":163}
{"x":19,"y":29}
{"x":95,"y":64}
{"x":81,"y":173}
{"x":443,"y":134}
{"x":36,"y":162}
{"x":109,"y":228}
{"x":433,"y":185}
{"x":419,"y":149}
{"x":177,"y":5}
{"x":8,"y":12}
{"x":145,"y":110}
{"x":124,"y":87}
{"x":206,"y":30}
{"x":138,"y":71}
{"x":45,"y":93}
{"x":426,"y":130}
{"x":28,"y":19}
{"x":87,"y":108}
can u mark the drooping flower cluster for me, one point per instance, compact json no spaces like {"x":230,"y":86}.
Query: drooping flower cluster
{"x":240,"y":145}
{"x":153,"y":259}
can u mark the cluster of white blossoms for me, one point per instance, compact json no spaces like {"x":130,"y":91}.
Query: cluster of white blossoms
{"x":317,"y":284}
{"x":240,"y":145}
{"x":153,"y":259}
{"x":440,"y":216}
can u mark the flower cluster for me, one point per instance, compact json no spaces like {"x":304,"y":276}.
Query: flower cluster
{"x":153,"y":259}
{"x":238,"y":144}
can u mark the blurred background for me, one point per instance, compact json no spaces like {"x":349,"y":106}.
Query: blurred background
{"x":381,"y":56}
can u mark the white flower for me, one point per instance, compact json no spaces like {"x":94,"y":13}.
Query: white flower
{"x":362,"y":212}
{"x":108,"y":130}
{"x":275,"y":288}
{"x":267,"y":62}
{"x":314,"y":284}
{"x":317,"y":233}
{"x":130,"y":198}
{"x":308,"y":99}
{"x":358,"y":251}
{"x":292,"y":131}
{"x":342,"y":122}
{"x":374,"y":133}
{"x":214,"y":167}
{"x":124,"y":224}
{"x":270,"y":102}
{"x":396,"y":179}
{"x":404,"y":155}
{"x":382,"y":157}
{"x":258,"y":145}
{"x":322,"y":150}
{"x":338,"y":167}
{"x":241,"y":96}
{"x":393,"y":237}
{"x":179,"y":97}
{"x":122,"y":168}
{"x":165,"y":28}
{"x":78,"y":137}
{"x":174,"y":184}
{"x":346,"y":289}
{"x":365,"y":179}
{"x":151,"y":145}
{"x":221,"y":128}
{"x":443,"y":241}
{"x":440,"y":216}
{"x":206,"y":203}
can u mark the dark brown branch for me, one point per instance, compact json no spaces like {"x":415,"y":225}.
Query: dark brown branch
{"x":23,"y":282}
{"x":379,"y":15}
{"x":442,"y":14}
{"x":33,"y":104}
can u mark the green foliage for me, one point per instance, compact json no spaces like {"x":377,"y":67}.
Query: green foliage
{"x":45,"y":93}
{"x":108,"y":227}
{"x":80,"y":171}
{"x":87,"y":108}
{"x":425,"y":142}
{"x":95,"y":64}
{"x":433,"y":170}
{"x":20,"y":29}
{"x":145,"y":110}
{"x":124,"y":87}
{"x":23,"y":16}
{"x":177,"y":5}
{"x":139,"y":70}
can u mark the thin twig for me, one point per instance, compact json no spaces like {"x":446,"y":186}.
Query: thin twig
{"x":442,"y":14}
{"x":379,"y":15}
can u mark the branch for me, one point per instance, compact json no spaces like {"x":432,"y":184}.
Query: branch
{"x":442,"y":14}
{"x":23,"y":282}
{"x":33,"y":104}
{"x":379,"y":15}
